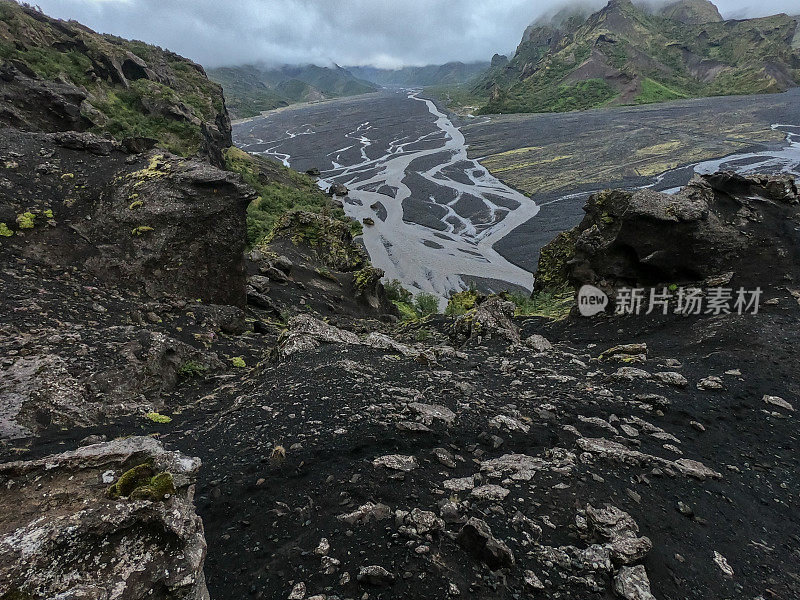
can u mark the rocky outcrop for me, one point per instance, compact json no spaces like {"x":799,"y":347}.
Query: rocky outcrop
{"x":130,"y":372}
{"x":111,"y":520}
{"x":491,"y":317}
{"x":321,"y":253}
{"x":723,"y":226}
{"x":153,"y":222}
{"x":59,"y":75}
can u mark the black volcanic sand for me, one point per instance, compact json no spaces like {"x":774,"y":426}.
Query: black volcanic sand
{"x":336,"y":409}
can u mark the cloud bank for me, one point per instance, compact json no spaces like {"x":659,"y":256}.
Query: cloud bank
{"x":383,"y":33}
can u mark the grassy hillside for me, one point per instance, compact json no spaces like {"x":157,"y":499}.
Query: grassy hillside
{"x":624,"y":54}
{"x":130,"y":88}
{"x":251,"y":89}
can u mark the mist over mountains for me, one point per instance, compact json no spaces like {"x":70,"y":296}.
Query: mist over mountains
{"x":377,"y":33}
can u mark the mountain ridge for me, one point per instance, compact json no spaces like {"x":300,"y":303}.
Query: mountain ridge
{"x":625,"y":54}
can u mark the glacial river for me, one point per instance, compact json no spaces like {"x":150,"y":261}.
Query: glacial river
{"x":437,"y":213}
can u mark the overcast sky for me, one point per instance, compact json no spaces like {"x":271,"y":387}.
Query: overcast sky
{"x":385,"y":33}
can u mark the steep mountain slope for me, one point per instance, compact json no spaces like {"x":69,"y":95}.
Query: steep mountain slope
{"x":103,"y":84}
{"x":626,"y":54}
{"x":431,"y":75}
{"x":252,"y":89}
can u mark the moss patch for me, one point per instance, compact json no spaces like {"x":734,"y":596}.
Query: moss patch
{"x":158,"y":418}
{"x":26,"y":220}
{"x":143,"y":483}
{"x":5,"y":231}
{"x":553,"y":268}
{"x":462,"y":302}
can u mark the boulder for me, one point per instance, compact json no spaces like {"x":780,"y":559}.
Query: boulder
{"x":338,"y":189}
{"x":491,"y":318}
{"x":477,"y":539}
{"x":67,"y":532}
{"x":166,"y":225}
{"x":649,"y":239}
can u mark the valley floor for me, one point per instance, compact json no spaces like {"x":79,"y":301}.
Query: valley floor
{"x":394,"y":154}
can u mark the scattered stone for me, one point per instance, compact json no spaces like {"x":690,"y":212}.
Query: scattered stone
{"x":672,"y":378}
{"x":631,"y":583}
{"x":477,"y":539}
{"x":629,"y":374}
{"x":539,"y":343}
{"x":445,"y":457}
{"x":723,"y":565}
{"x":779,"y":402}
{"x":532,"y":581}
{"x":490,"y":492}
{"x":298,"y":591}
{"x":509,"y":424}
{"x":429,"y":413}
{"x":376,"y":576}
{"x":366,"y":513}
{"x":710,"y":383}
{"x":396,"y":462}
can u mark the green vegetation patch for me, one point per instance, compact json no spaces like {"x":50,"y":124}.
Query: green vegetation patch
{"x":191,"y":369}
{"x":462,"y":302}
{"x":652,"y":92}
{"x":410,"y":307}
{"x":158,"y":418}
{"x":550,"y":304}
{"x":143,"y":483}
{"x":280,"y":190}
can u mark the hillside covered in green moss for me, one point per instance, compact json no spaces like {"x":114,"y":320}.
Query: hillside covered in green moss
{"x":105,"y":85}
{"x":629,"y":54}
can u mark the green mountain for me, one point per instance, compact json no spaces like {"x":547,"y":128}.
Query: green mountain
{"x":629,"y":54}
{"x":251,"y":89}
{"x":105,"y":85}
{"x":452,"y":73}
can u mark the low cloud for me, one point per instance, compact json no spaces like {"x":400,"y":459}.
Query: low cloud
{"x":384,"y":33}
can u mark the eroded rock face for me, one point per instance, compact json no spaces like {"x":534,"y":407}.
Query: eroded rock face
{"x":41,"y":390}
{"x":156,"y":222}
{"x":61,"y":533}
{"x":647,"y":238}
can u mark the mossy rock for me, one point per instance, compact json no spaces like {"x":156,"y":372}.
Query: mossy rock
{"x":143,"y":483}
{"x":462,"y":302}
{"x":553,"y":269}
{"x":132,"y":479}
{"x":367,"y":278}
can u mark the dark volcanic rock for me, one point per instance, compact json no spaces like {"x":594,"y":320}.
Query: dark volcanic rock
{"x":717,"y":224}
{"x":168,"y":225}
{"x":62,"y":533}
{"x":476,"y":538}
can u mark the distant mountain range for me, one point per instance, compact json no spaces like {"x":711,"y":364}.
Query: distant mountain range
{"x":251,"y":89}
{"x":629,"y":53}
{"x":452,"y":73}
